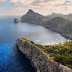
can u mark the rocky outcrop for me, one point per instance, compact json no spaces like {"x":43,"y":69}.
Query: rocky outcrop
{"x":39,"y":60}
{"x":16,"y":20}
{"x":34,"y":18}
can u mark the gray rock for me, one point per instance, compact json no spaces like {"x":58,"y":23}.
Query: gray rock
{"x":39,"y":60}
{"x":33,"y":17}
{"x":16,"y":20}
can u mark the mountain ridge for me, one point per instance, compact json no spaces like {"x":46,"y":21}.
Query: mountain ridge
{"x":68,"y":16}
{"x":58,"y":24}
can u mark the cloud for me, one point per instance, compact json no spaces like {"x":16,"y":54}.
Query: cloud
{"x":40,"y":6}
{"x":25,"y":2}
{"x":44,"y":7}
{"x":29,"y":2}
{"x":2,"y":0}
{"x":65,"y":3}
{"x":39,"y":2}
{"x":15,"y":2}
{"x":14,"y":11}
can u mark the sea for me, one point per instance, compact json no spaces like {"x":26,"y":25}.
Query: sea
{"x":11,"y":59}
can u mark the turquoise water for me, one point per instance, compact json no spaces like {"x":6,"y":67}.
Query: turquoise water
{"x":11,"y":59}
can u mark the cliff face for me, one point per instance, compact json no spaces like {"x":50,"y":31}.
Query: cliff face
{"x":60,"y":25}
{"x":34,"y":18}
{"x":39,"y":60}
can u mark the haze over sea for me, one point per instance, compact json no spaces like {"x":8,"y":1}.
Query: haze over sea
{"x":11,"y":60}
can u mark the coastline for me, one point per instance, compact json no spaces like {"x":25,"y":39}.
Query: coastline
{"x":67,"y":37}
{"x":39,"y":59}
{"x":57,"y":24}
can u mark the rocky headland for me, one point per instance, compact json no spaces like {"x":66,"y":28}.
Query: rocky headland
{"x":39,"y":60}
{"x":34,"y":18}
{"x":58,"y":24}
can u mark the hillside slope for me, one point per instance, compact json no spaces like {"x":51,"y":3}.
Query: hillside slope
{"x":60,"y":25}
{"x":34,"y":18}
{"x":68,"y":17}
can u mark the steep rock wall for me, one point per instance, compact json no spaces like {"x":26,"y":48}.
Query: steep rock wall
{"x":39,"y":60}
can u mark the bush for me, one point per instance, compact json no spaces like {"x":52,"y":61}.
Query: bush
{"x":32,"y":42}
{"x":62,"y":53}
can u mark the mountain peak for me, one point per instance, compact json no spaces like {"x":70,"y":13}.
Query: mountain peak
{"x":53,"y":13}
{"x":30,"y":11}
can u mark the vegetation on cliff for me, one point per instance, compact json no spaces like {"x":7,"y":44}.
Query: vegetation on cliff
{"x":61,"y":53}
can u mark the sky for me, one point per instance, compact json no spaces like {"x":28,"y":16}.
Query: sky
{"x":44,"y":7}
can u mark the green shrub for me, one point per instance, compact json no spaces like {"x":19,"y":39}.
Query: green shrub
{"x":62,"y":53}
{"x":32,"y":42}
{"x":24,"y":38}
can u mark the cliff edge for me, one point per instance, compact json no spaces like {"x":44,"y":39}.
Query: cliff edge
{"x":39,"y":60}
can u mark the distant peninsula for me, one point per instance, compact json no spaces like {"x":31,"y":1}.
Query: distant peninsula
{"x":59,"y":24}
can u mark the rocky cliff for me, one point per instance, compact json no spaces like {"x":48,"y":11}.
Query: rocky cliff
{"x":34,"y":18}
{"x":39,"y":60}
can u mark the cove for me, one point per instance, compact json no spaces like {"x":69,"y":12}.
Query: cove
{"x":11,"y":59}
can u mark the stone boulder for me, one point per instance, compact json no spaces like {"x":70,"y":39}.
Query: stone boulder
{"x":16,"y":20}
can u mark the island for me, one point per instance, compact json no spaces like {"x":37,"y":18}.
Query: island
{"x":16,"y":20}
{"x":58,"y":24}
{"x":42,"y":56}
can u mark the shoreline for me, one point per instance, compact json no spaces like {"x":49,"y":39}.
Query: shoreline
{"x":67,"y":37}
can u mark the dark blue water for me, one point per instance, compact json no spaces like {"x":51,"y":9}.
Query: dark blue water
{"x":11,"y":60}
